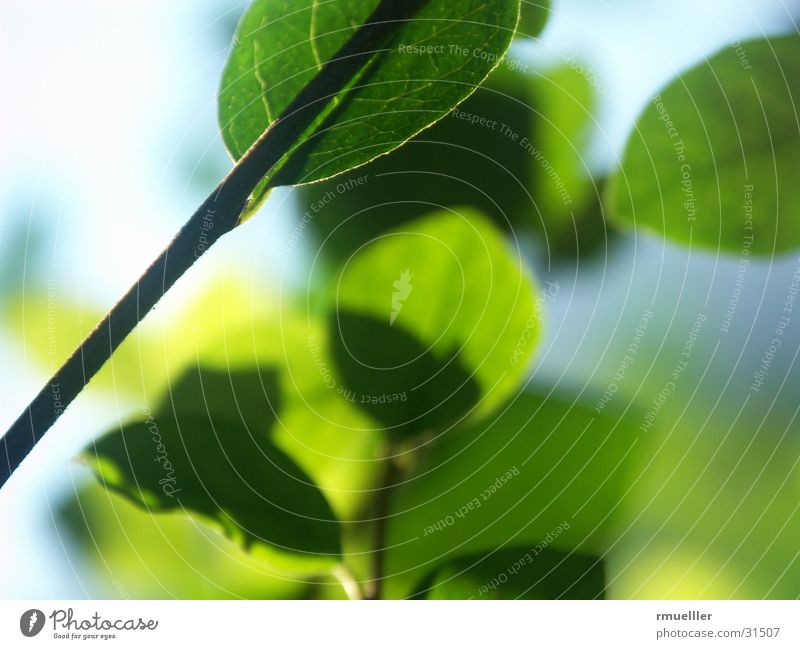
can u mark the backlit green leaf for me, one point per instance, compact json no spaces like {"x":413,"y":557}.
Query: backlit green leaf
{"x":713,"y":159}
{"x":131,"y":553}
{"x":467,"y":158}
{"x":515,"y":150}
{"x":433,"y":61}
{"x":565,"y":99}
{"x":434,"y":321}
{"x":332,"y":439}
{"x":206,"y":450}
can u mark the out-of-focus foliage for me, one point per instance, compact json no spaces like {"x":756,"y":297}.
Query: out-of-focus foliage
{"x":713,"y":512}
{"x":386,"y":353}
{"x":432,"y":321}
{"x":542,"y":469}
{"x":518,"y":573}
{"x":327,"y":434}
{"x":136,"y":555}
{"x":50,"y":328}
{"x":413,"y":358}
{"x":407,"y":387}
{"x":565,"y":102}
{"x":514,"y":150}
{"x":455,"y":162}
{"x":533,"y":17}
{"x":205,"y":450}
{"x":712,"y":161}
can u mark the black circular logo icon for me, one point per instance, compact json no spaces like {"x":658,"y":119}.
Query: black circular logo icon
{"x":31,"y":622}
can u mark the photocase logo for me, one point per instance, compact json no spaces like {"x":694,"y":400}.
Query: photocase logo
{"x":402,"y":289}
{"x":31,"y":622}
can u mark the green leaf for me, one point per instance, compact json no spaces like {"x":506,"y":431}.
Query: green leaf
{"x":50,"y":328}
{"x":713,"y":159}
{"x":330,"y":438}
{"x":205,"y":450}
{"x":433,"y":322}
{"x":454,"y":163}
{"x":536,"y":572}
{"x":128,"y":552}
{"x":533,"y":17}
{"x":544,"y":469}
{"x":397,"y":379}
{"x":432,"y":60}
{"x":565,"y":99}
{"x":515,"y":150}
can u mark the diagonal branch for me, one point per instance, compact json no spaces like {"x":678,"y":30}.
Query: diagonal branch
{"x":219,"y":214}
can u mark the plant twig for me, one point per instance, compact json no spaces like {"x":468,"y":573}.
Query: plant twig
{"x":391,"y":476}
{"x":349,"y":583}
{"x":218,"y":214}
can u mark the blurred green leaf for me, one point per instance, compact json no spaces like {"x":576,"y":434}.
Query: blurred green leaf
{"x":133,"y":554}
{"x":566,"y":101}
{"x":518,"y":573}
{"x":331,"y":438}
{"x":395,"y":378}
{"x":50,"y":323}
{"x":231,"y":325}
{"x":205,"y":450}
{"x":514,"y":150}
{"x":453,"y":163}
{"x":280,"y":46}
{"x":433,"y":321}
{"x":533,"y":17}
{"x":713,"y":158}
{"x":567,"y":195}
{"x":544,"y":469}
{"x":50,"y":328}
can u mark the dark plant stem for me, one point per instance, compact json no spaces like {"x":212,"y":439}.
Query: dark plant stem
{"x":392,"y":475}
{"x":218,"y":215}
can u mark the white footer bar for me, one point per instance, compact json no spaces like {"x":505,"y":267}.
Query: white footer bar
{"x":154,"y":624}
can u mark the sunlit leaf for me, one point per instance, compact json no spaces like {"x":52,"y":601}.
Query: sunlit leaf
{"x":234,"y":325}
{"x":49,"y":328}
{"x":731,"y":503}
{"x":433,"y":61}
{"x":205,"y":450}
{"x":713,"y":159}
{"x":515,"y":150}
{"x":396,"y":378}
{"x":134,"y":554}
{"x":433,"y":321}
{"x":332,"y":439}
{"x":565,"y":98}
{"x":466,"y":158}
